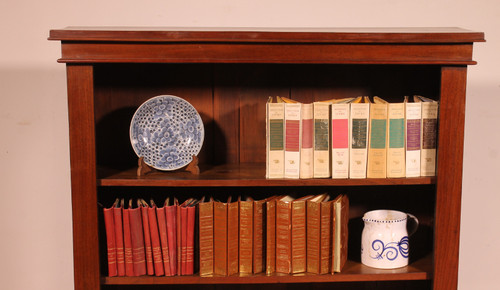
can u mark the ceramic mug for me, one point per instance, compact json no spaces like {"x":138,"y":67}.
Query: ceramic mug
{"x":384,"y":240}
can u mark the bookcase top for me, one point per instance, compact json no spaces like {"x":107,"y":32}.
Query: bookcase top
{"x":268,"y":35}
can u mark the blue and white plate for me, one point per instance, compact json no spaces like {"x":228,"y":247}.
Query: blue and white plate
{"x":167,"y":131}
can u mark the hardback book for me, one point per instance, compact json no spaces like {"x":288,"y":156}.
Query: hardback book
{"x":206,"y":237}
{"x":340,"y":232}
{"x":147,"y":237}
{"x":118,"y":221}
{"x":162,"y":231}
{"x":283,"y":235}
{"x":307,"y":150}
{"x":358,"y":147}
{"x":155,"y":239}
{"x":127,"y":242}
{"x":220,"y":238}
{"x":428,"y":136}
{"x":326,"y":236}
{"x":396,"y":160}
{"x":110,"y":240}
{"x":413,"y":124}
{"x":298,"y":236}
{"x":293,"y":132}
{"x":340,"y":140}
{"x":246,"y":235}
{"x":137,"y":237}
{"x":275,"y":145}
{"x":259,"y":234}
{"x":314,"y":232}
{"x":321,"y":155}
{"x":270,"y":231}
{"x":232,"y":237}
{"x":191,"y":221}
{"x":171,"y":218}
{"x":181,"y":235}
{"x":377,"y":141}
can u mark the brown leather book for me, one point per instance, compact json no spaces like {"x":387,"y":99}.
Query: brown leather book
{"x":246,"y":236}
{"x":270,"y":231}
{"x":232,"y":237}
{"x":110,"y":240}
{"x":326,"y":237}
{"x":284,"y":235}
{"x":220,"y":238}
{"x":120,"y":254}
{"x":258,"y":236}
{"x":298,"y":234}
{"x":314,"y":231}
{"x":340,"y":232}
{"x":206,"y":237}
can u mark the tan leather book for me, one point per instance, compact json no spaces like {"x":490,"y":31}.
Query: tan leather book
{"x":220,"y":238}
{"x":325,"y":256}
{"x":270,"y":231}
{"x":340,"y":233}
{"x":284,"y":235}
{"x":246,"y":236}
{"x":232,"y":237}
{"x":313,"y":232}
{"x":206,"y":237}
{"x":298,"y":236}
{"x":258,"y":244}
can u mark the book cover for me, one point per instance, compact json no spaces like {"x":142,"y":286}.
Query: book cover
{"x":283,"y":235}
{"x":155,"y":239}
{"x":162,"y":231}
{"x":340,"y":140}
{"x":413,"y":131}
{"x":326,"y":236}
{"x":396,"y":157}
{"x":430,"y":110}
{"x":358,"y":150}
{"x":340,"y":238}
{"x":220,"y":238}
{"x":137,"y":237}
{"x":171,"y":217}
{"x":307,"y":150}
{"x":246,"y":236}
{"x":110,"y":240}
{"x":147,"y":237}
{"x":120,"y":251}
{"x":298,"y":235}
{"x":191,"y":221}
{"x":377,"y":142}
{"x":313,"y":233}
{"x":232,"y":237}
{"x":275,"y":149}
{"x":206,"y":236}
{"x":127,"y":241}
{"x":271,"y":236}
{"x":184,"y":230}
{"x":293,"y":136}
{"x":321,"y":155}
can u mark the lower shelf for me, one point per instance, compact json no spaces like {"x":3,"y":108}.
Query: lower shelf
{"x":353,"y":271}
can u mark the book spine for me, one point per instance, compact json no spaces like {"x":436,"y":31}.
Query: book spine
{"x":220,"y":238}
{"x":162,"y":230}
{"x":413,"y":146}
{"x":307,"y":150}
{"x":191,"y":217}
{"x":127,"y":241}
{"x":137,"y":237}
{"x":321,"y":162}
{"x":298,"y":237}
{"x":283,"y":237}
{"x":178,"y":235}
{"x":429,"y":138}
{"x":246,"y":237}
{"x":206,"y":221}
{"x":313,"y":237}
{"x":275,"y":140}
{"x":258,"y":236}
{"x":232,"y":238}
{"x":377,"y":143}
{"x":293,"y":132}
{"x":340,"y":140}
{"x":120,"y":254}
{"x":110,"y":241}
{"x":344,"y":231}
{"x":270,"y":237}
{"x":325,"y":237}
{"x":184,"y":230}
{"x":396,"y":141}
{"x":155,"y":242}
{"x":171,"y":217}
{"x":359,"y":116}
{"x":147,"y":241}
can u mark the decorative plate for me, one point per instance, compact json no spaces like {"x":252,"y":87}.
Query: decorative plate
{"x":167,"y":131}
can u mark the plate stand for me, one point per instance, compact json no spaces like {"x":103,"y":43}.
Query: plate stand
{"x":144,"y":169}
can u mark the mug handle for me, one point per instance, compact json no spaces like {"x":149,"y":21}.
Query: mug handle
{"x":413,"y":226}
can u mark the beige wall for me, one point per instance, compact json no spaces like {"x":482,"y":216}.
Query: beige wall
{"x":35,"y":214}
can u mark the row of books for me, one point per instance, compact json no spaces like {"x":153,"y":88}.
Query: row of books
{"x":144,"y":239}
{"x":351,"y":138}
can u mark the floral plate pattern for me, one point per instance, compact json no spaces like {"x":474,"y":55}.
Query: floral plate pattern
{"x":167,"y":131}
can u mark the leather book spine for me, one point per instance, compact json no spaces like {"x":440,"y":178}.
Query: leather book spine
{"x":313,"y":236}
{"x":298,"y":237}
{"x":178,"y":241}
{"x":246,"y":237}
{"x":283,"y":237}
{"x":147,"y":241}
{"x":258,"y":236}
{"x":127,"y":241}
{"x":171,"y":217}
{"x":184,"y":215}
{"x":110,"y":241}
{"x":120,"y":254}
{"x":191,"y":216}
{"x":270,"y":237}
{"x":232,"y":238}
{"x":162,"y":231}
{"x":220,"y":238}
{"x":344,"y":231}
{"x":137,"y":234}
{"x":155,"y":242}
{"x":206,"y":237}
{"x":325,"y":257}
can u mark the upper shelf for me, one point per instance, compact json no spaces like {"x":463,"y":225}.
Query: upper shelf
{"x":248,"y":174}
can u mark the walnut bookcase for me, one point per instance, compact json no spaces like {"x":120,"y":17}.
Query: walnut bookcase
{"x":227,"y":74}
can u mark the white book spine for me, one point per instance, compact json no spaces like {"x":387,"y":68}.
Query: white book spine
{"x":413,"y":138}
{"x":293,"y":135}
{"x":307,"y":150}
{"x":321,"y":155}
{"x":360,"y":114}
{"x":429,"y":138}
{"x":275,"y":140}
{"x":340,"y":140}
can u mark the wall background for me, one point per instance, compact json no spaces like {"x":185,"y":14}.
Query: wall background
{"x":35,"y":207}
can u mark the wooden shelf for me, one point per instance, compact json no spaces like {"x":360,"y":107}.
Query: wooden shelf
{"x":353,"y":271}
{"x":246,"y":174}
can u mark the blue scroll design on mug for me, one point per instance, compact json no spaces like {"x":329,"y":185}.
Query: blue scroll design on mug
{"x":391,"y":250}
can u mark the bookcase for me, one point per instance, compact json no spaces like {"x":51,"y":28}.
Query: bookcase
{"x":227,"y":75}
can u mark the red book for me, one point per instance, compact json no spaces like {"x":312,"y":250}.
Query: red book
{"x":147,"y":236}
{"x":120,"y":255}
{"x":137,"y":237}
{"x":127,"y":242}
{"x":191,"y":216}
{"x":155,"y":240}
{"x":162,"y":229}
{"x":110,"y":241}
{"x":178,"y":236}
{"x":184,"y":214}
{"x":171,"y":217}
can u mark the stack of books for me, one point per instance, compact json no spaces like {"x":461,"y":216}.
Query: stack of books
{"x":351,"y":138}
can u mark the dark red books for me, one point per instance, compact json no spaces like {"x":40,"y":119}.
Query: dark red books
{"x":110,"y":240}
{"x":118,"y":221}
{"x":171,"y":218}
{"x":162,"y":230}
{"x":137,"y":237}
{"x":147,"y":236}
{"x":155,"y":239}
{"x":127,"y":242}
